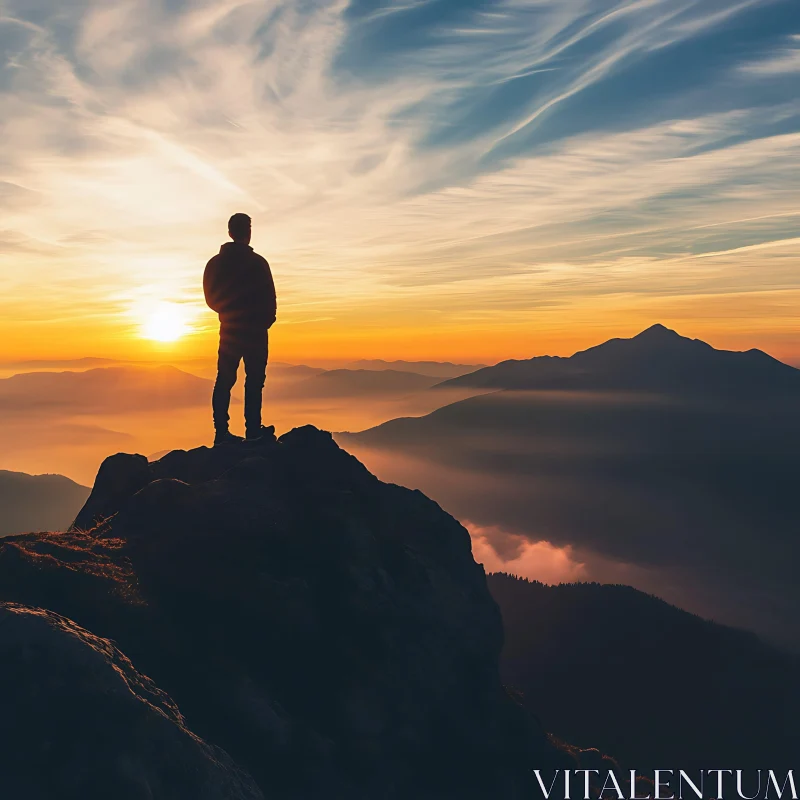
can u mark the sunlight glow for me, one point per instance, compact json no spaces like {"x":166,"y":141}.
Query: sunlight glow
{"x":166,"y":322}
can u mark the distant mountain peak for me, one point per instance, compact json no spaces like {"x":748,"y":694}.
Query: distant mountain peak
{"x":658,"y":359}
{"x":656,"y":339}
{"x":659,"y":331}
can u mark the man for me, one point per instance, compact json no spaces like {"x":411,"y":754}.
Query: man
{"x":238,"y":285}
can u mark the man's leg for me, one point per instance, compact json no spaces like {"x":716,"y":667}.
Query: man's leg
{"x":227,"y":367}
{"x":255,"y":369}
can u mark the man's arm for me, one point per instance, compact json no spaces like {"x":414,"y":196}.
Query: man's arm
{"x":211,"y":286}
{"x":272,"y":298}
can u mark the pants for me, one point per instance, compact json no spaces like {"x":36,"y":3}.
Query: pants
{"x":252,"y":345}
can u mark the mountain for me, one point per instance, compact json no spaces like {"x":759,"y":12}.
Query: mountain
{"x":435,"y":369}
{"x":38,"y":502}
{"x":658,"y":359}
{"x":687,"y":493}
{"x":291,"y":372}
{"x":107,"y":389}
{"x":360,"y":383}
{"x":88,"y":362}
{"x":330,"y":632}
{"x":636,"y":676}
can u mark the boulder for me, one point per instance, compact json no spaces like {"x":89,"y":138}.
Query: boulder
{"x":79,"y":721}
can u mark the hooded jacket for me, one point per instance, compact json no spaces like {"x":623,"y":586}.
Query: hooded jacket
{"x":238,"y":285}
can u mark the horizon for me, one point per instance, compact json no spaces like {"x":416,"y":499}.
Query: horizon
{"x":143,"y":411}
{"x":170,"y":354}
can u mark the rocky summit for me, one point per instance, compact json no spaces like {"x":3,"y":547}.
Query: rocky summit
{"x":324,"y":635}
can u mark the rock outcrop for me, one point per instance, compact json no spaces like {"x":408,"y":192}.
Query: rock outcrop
{"x":80,"y":723}
{"x":330,"y":632}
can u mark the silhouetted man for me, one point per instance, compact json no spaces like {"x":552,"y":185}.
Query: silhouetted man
{"x":238,"y":285}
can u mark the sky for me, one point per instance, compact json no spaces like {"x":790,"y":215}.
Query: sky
{"x":449,"y":179}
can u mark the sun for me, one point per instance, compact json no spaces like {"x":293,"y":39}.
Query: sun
{"x":165,"y":322}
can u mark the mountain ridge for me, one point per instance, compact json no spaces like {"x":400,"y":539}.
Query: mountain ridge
{"x":637,"y":646}
{"x":435,"y":369}
{"x":38,"y":502}
{"x":674,"y":456}
{"x":108,"y":389}
{"x":628,"y":364}
{"x":358,"y":382}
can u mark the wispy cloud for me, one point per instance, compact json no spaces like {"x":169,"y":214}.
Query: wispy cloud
{"x":784,"y":60}
{"x":406,"y":163}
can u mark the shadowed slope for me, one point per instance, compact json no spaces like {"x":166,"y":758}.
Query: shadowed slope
{"x":642,"y":679}
{"x":38,"y":502}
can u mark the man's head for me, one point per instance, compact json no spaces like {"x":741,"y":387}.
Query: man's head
{"x":239,"y":228}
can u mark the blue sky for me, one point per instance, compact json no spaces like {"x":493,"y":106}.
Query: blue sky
{"x":517,"y":176}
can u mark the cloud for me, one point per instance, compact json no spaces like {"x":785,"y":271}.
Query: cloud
{"x":786,"y":60}
{"x":406,"y":163}
{"x":499,"y":551}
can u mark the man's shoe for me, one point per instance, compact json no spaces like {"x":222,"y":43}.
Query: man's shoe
{"x":262,"y":433}
{"x":226,"y":438}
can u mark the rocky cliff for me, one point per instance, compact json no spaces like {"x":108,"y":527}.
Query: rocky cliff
{"x":331,"y":633}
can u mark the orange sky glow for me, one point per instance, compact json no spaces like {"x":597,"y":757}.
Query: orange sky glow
{"x":443,"y":206}
{"x":767,"y":320}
